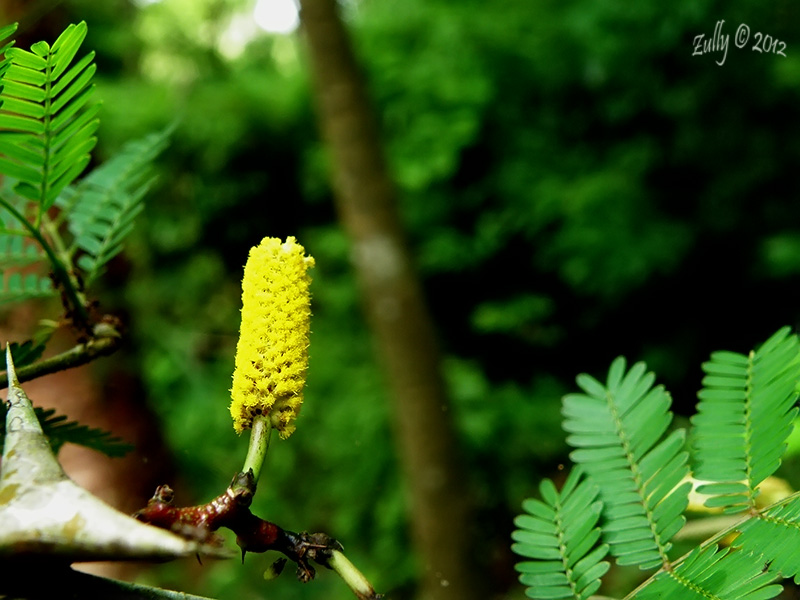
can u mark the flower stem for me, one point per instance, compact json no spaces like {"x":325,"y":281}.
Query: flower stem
{"x":361,"y":587}
{"x":259,"y":444}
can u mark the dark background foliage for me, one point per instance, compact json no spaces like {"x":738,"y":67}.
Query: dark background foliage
{"x":575,"y":184}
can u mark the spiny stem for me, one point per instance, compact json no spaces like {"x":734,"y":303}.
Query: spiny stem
{"x":253,"y":534}
{"x":259,"y":445}
{"x":231,"y":510}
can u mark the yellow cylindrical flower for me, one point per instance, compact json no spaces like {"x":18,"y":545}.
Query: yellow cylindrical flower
{"x":272,"y":353}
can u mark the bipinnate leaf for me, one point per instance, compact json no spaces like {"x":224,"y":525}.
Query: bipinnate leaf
{"x":6,"y":31}
{"x":59,"y":431}
{"x":46,"y":122}
{"x":617,"y":430}
{"x":744,"y":418}
{"x":713,"y":573}
{"x":560,"y":534}
{"x":29,"y":351}
{"x":16,"y":287}
{"x":18,"y":251}
{"x":102,"y":208}
{"x":773,"y":537}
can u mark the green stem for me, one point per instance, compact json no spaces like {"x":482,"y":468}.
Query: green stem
{"x":48,"y":139}
{"x":259,"y":444}
{"x":360,"y":585}
{"x":19,"y":232}
{"x":58,"y":244}
{"x":60,"y":271}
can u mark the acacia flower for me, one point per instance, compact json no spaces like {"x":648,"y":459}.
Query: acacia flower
{"x":272,"y":353}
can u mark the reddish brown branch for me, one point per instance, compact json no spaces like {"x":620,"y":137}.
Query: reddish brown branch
{"x":231,"y":510}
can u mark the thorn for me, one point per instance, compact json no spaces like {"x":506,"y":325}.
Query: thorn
{"x":199,"y":561}
{"x":243,"y":553}
{"x":12,"y":374}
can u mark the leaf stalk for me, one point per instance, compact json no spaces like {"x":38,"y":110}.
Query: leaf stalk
{"x":75,"y":298}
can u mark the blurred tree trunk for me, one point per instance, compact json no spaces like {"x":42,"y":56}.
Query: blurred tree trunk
{"x":401,"y":324}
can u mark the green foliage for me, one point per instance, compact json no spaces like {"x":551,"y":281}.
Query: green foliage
{"x":59,"y":431}
{"x":29,"y":351}
{"x":619,"y":430}
{"x":5,"y":32}
{"x":101,"y":209}
{"x":47,"y":127}
{"x":47,"y":124}
{"x":744,"y":418}
{"x":775,"y":537}
{"x":17,"y":287}
{"x":561,"y":532}
{"x":542,"y":208}
{"x":16,"y":252}
{"x":47,"y":121}
{"x":712,"y":572}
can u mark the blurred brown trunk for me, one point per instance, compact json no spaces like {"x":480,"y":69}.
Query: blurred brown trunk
{"x":401,"y":324}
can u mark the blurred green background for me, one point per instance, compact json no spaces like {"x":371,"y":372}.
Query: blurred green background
{"x":575,"y":184}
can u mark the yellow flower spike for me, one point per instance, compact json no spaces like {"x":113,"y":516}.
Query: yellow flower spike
{"x":272,"y":353}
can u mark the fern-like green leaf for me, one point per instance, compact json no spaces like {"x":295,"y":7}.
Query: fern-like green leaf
{"x":5,"y":32}
{"x":17,"y":287}
{"x":744,"y":418}
{"x":774,"y":537}
{"x":617,"y":431}
{"x":29,"y":351}
{"x":713,"y":574}
{"x":46,"y":125}
{"x":560,"y":533}
{"x":60,"y":431}
{"x":17,"y":251}
{"x":102,"y":208}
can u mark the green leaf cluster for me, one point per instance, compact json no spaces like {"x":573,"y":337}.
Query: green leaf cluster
{"x":562,"y":533}
{"x":57,"y":232}
{"x":47,"y":126}
{"x":102,"y":208}
{"x":737,"y":450}
{"x":48,"y":122}
{"x":638,"y":470}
